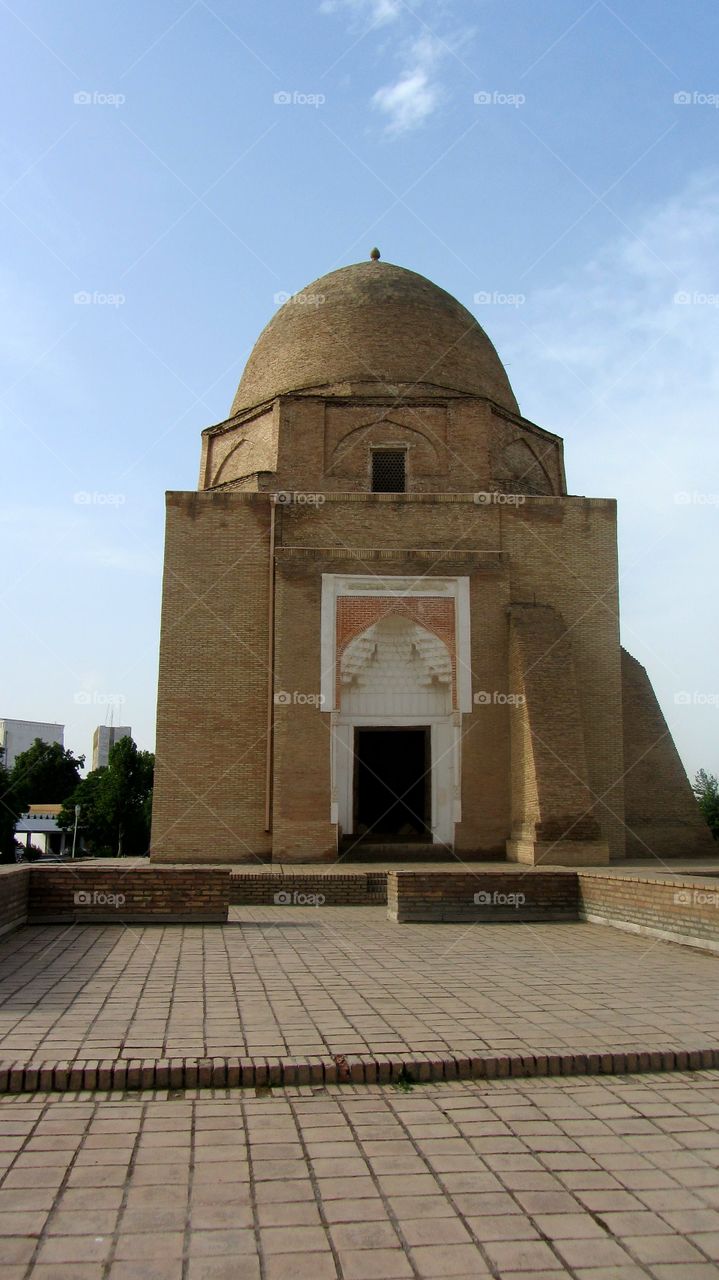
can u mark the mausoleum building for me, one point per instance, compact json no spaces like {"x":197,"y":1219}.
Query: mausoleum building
{"x":385,"y":622}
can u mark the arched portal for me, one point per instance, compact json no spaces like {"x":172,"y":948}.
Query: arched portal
{"x":395,"y":739}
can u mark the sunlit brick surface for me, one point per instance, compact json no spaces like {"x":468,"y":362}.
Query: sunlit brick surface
{"x":293,"y":980}
{"x":595,"y":1181}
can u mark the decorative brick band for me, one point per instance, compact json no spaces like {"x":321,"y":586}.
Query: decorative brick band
{"x":420,"y":1068}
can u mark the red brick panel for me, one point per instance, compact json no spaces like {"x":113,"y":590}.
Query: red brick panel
{"x":489,"y":896}
{"x":117,"y":895}
{"x":352,"y":889}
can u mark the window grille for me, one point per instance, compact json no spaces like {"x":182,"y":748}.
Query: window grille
{"x":389,"y":471}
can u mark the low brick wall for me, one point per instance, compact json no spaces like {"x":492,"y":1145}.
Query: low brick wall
{"x":117,"y":895}
{"x":673,"y":908}
{"x":488,"y":896}
{"x":14,"y":887}
{"x":352,"y":889}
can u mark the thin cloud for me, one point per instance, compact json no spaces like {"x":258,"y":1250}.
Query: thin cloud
{"x":408,"y":102}
{"x":379,"y":12}
{"x":417,"y":92}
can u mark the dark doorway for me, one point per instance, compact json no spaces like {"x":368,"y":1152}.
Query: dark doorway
{"x":392,"y":783}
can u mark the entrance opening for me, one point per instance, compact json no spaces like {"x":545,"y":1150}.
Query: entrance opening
{"x":392,"y":783}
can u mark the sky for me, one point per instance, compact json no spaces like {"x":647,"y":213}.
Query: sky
{"x":169,"y":170}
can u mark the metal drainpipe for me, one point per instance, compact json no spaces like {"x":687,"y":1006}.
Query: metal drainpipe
{"x":270,"y":664}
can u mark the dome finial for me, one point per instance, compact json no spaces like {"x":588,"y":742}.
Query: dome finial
{"x":374,"y":254}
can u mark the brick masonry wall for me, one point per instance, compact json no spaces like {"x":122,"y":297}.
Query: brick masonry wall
{"x":14,"y":887}
{"x":455,"y":445}
{"x":662,"y":815}
{"x":552,"y":801}
{"x":301,"y":827}
{"x":677,"y":908}
{"x":115,"y":895}
{"x":210,"y":780}
{"x":356,"y":889}
{"x":488,"y":897}
{"x":563,"y":553}
{"x":209,"y":798}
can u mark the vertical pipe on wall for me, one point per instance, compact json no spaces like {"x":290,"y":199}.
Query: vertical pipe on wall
{"x":270,"y":664}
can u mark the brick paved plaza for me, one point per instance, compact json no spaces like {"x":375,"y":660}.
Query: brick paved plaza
{"x":610,"y":1177}
{"x":343,"y":980}
{"x":599,"y":1180}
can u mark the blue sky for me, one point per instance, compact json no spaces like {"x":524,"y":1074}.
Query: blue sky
{"x":147,"y":163}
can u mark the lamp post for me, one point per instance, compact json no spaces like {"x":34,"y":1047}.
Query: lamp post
{"x":74,"y":833}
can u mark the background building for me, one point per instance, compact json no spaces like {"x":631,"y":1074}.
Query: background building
{"x":17,"y":736}
{"x":39,"y":828}
{"x":105,"y":737}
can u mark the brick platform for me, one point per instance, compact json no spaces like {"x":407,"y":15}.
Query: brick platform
{"x":681,"y":908}
{"x":85,"y":893}
{"x":512,"y":897}
{"x":316,"y":994}
{"x":586,"y":1179}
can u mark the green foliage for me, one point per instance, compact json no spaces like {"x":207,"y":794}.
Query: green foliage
{"x":44,"y":774}
{"x":8,"y":817}
{"x":115,"y":803}
{"x":706,"y":790}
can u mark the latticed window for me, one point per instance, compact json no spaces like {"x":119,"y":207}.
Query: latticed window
{"x":389,"y":471}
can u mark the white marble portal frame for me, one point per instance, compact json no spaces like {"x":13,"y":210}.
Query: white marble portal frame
{"x":445,"y":729}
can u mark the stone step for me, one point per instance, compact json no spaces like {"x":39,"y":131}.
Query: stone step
{"x":395,"y":852}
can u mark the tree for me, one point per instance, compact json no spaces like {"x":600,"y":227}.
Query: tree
{"x":706,"y":790}
{"x":8,"y":817}
{"x":115,"y":802}
{"x":44,"y":774}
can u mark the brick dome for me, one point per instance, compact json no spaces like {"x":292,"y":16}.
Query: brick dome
{"x":373,"y":322}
